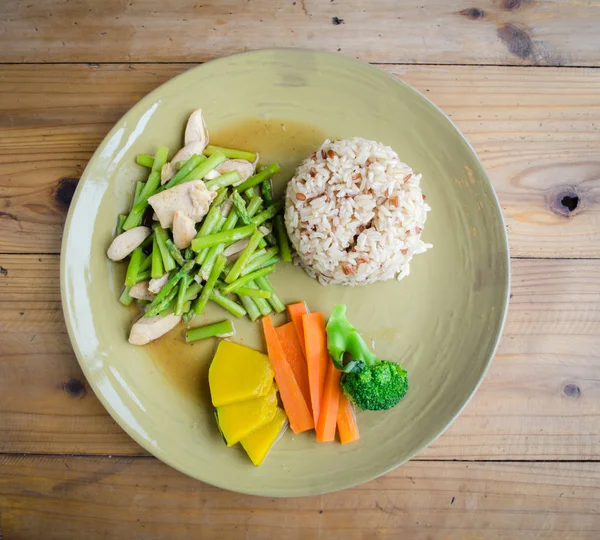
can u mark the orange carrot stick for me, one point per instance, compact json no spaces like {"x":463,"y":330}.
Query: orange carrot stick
{"x":317,"y":358}
{"x":329,"y":405}
{"x":291,"y":395}
{"x":346,"y":421}
{"x":296,"y":311}
{"x":295,"y":357}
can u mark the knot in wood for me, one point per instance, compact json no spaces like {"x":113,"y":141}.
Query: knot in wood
{"x":74,"y":388}
{"x":65,"y":190}
{"x":572,"y":391}
{"x":565,"y":202}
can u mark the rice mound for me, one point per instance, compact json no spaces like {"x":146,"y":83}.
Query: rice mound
{"x":354,"y":213}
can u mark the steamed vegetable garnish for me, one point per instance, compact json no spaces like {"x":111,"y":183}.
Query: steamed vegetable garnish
{"x":238,"y":373}
{"x":208,"y":234}
{"x":295,"y":406}
{"x":370,"y":383}
{"x":346,"y":421}
{"x":221,"y":329}
{"x":258,"y":443}
{"x":238,"y":420}
{"x":245,"y":399}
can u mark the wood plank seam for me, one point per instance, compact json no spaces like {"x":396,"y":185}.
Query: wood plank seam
{"x":387,"y":64}
{"x":414,"y":460}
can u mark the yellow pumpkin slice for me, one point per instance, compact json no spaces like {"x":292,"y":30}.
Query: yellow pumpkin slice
{"x":258,"y":443}
{"x":238,"y":373}
{"x":238,"y":420}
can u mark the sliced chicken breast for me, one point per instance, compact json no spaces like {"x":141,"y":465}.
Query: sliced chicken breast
{"x":244,"y":168}
{"x":166,"y":173}
{"x":195,"y":130}
{"x":191,"y":198}
{"x":145,"y":330}
{"x":155,"y":285}
{"x":195,"y":147}
{"x":126,"y":242}
{"x":183,"y":230}
{"x":141,"y":292}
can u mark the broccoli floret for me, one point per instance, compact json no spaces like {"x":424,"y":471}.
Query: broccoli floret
{"x":370,"y":383}
{"x":376,"y":388}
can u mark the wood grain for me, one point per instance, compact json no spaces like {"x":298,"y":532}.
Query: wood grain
{"x":518,"y":32}
{"x":536,"y":130}
{"x":67,"y":498}
{"x":540,"y":399}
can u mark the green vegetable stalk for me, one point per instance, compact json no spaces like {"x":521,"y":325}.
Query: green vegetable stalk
{"x":370,"y":383}
{"x":221,"y":329}
{"x":229,"y":153}
{"x":258,"y":178}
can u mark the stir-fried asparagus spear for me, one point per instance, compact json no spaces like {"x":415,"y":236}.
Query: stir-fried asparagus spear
{"x":233,"y":307}
{"x":240,"y":207}
{"x":142,"y":276}
{"x":222,"y":194}
{"x":258,"y":253}
{"x":202,"y":300}
{"x":157,"y":263}
{"x":122,"y":218}
{"x":220,"y":329}
{"x":134,"y":266}
{"x":183,"y":285}
{"x":244,"y":280}
{"x":152,"y":185}
{"x":170,"y":285}
{"x":125,"y":298}
{"x":250,"y":307}
{"x":213,"y":222}
{"x":225,"y":180}
{"x":274,"y":300}
{"x":207,"y":256}
{"x":246,"y":213}
{"x":223,"y":237}
{"x":265,"y":254}
{"x":175,"y":253}
{"x":242,"y":260}
{"x":282,"y":239}
{"x":230,"y":153}
{"x":189,"y":166}
{"x":188,"y":254}
{"x":165,"y":303}
{"x":188,"y":315}
{"x":266,"y":189}
{"x":139,"y":186}
{"x":192,"y":291}
{"x":265,"y":260}
{"x":145,"y":160}
{"x":249,"y":193}
{"x":146,"y":263}
{"x":186,"y":307}
{"x":254,"y":205}
{"x":161,"y":239}
{"x":267,"y":214}
{"x":255,"y":293}
{"x":160,"y":158}
{"x":259,"y":177}
{"x":214,"y":251}
{"x":209,"y":222}
{"x":262,"y":305}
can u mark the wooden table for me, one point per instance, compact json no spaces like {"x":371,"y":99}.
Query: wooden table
{"x":520,"y":78}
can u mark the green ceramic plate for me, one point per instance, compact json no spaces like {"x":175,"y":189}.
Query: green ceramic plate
{"x":443,"y":322}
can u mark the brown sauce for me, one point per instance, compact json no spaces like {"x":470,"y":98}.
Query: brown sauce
{"x":287,"y":142}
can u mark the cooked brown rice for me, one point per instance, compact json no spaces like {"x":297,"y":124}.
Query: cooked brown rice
{"x":354,"y":213}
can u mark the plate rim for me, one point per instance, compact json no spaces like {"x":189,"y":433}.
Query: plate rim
{"x":68,"y":314}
